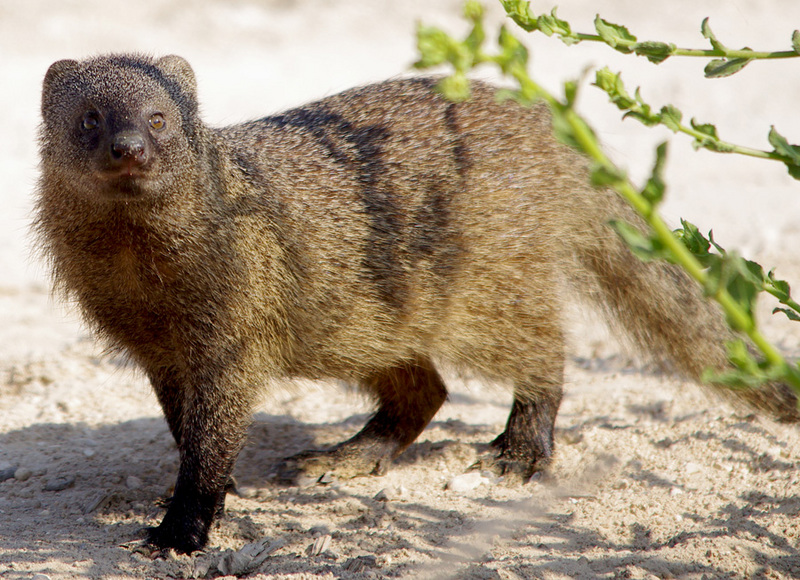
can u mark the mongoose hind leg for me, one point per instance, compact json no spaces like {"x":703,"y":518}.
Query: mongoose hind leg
{"x":526,"y":445}
{"x":409,"y":395}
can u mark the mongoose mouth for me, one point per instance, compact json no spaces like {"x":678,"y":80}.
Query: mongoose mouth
{"x":124,"y":183}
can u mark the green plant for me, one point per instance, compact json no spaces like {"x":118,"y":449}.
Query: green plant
{"x":726,"y":277}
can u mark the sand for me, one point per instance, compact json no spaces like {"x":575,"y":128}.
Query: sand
{"x":652,"y":477}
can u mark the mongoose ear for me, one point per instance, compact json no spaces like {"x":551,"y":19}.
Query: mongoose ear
{"x":180,"y":70}
{"x":59,"y":70}
{"x":55,"y":75}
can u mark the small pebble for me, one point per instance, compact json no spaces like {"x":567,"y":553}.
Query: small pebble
{"x":466,"y":481}
{"x":133,"y":482}
{"x":356,"y":565}
{"x":692,"y":467}
{"x":40,"y":577}
{"x":320,"y":545}
{"x":23,"y":474}
{"x":7,"y":473}
{"x":59,"y":483}
{"x":386,"y":494}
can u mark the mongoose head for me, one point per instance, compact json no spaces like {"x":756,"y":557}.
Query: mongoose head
{"x":120,"y":126}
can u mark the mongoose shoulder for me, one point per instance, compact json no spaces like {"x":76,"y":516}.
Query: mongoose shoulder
{"x":367,"y":237}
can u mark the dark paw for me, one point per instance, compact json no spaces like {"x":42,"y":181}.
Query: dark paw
{"x":514,"y":471}
{"x":182,"y":539}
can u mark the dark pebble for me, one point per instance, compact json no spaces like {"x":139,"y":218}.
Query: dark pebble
{"x":7,"y":473}
{"x":59,"y":483}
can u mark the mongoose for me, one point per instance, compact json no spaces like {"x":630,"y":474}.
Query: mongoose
{"x":367,"y":237}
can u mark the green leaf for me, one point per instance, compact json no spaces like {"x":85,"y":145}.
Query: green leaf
{"x":706,"y":129}
{"x":654,"y":188}
{"x":671,"y":117}
{"x":656,"y":52}
{"x":780,"y":288}
{"x":571,"y":92}
{"x":791,"y":153}
{"x":604,"y":175}
{"x":614,"y":35}
{"x":473,"y":10}
{"x":694,"y":241}
{"x":433,"y":45}
{"x":721,"y":67}
{"x":520,"y":12}
{"x":709,"y":138}
{"x":747,"y":373}
{"x":644,"y":247}
{"x":705,"y":29}
{"x":796,"y":41}
{"x":782,"y":146}
{"x":790,"y":314}
{"x":551,"y":24}
{"x":565,"y":132}
{"x":512,"y":51}
{"x":612,"y":84}
{"x":455,"y":87}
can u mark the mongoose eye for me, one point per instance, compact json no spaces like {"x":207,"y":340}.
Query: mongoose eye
{"x":157,"y":122}
{"x":90,"y":121}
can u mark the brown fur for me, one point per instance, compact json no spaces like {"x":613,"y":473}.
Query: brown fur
{"x":360,"y":238}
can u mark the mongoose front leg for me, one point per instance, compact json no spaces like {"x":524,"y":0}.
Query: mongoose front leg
{"x":409,"y":395}
{"x":212,"y":432}
{"x":526,"y":444}
{"x":170,"y":396}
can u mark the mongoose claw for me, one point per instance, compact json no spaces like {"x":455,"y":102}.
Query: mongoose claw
{"x":347,"y":460}
{"x":514,"y":472}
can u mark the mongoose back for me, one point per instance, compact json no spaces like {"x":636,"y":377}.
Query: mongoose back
{"x":367,"y":237}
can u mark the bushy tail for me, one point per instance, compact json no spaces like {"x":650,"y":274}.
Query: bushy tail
{"x":660,"y":307}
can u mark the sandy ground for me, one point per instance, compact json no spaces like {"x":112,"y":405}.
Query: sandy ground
{"x":652,"y":479}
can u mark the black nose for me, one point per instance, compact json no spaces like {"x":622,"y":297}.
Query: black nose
{"x":128,"y":147}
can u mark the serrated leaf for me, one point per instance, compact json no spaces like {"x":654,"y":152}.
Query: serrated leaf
{"x":521,"y":13}
{"x":781,"y":289}
{"x":614,"y":35}
{"x":671,"y":117}
{"x":645,"y":118}
{"x":694,"y":241}
{"x":705,"y":128}
{"x":782,"y":146}
{"x":790,"y":314}
{"x":796,"y":41}
{"x":721,"y":67}
{"x":790,"y":152}
{"x":705,"y":29}
{"x":552,"y":24}
{"x":656,"y":52}
{"x":611,"y":83}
